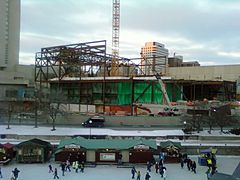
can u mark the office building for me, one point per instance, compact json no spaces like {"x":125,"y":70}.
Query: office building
{"x":154,"y":58}
{"x":9,"y":34}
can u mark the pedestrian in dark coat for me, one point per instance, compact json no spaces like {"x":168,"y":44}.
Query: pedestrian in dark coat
{"x":82,"y":167}
{"x":147,"y":177}
{"x":194,"y":166}
{"x":50,"y":168}
{"x":149,"y":166}
{"x":156,"y":167}
{"x":1,"y":173}
{"x":189,"y":164}
{"x":63,"y":168}
{"x":133,"y":171}
{"x":182,"y":162}
{"x":55,"y":174}
{"x":15,"y":173}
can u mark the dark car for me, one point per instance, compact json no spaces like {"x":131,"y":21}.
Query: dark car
{"x":95,"y":121}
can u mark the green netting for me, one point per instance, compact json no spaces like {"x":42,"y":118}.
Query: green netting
{"x":97,"y":88}
{"x":174,"y":93}
{"x":147,"y":93}
{"x":121,"y":93}
{"x":157,"y":94}
{"x":124,"y":93}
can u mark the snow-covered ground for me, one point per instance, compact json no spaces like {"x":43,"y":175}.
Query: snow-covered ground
{"x":225,"y":164}
{"x":70,"y":131}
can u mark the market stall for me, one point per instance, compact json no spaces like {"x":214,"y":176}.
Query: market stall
{"x":169,"y":151}
{"x":6,"y":153}
{"x":33,"y":151}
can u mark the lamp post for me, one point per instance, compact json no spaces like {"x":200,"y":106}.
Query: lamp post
{"x":36,"y":108}
{"x":184,"y":123}
{"x":90,"y":128}
{"x":9,"y":115}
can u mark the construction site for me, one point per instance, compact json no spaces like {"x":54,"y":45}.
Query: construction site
{"x":88,"y":79}
{"x":83,"y":78}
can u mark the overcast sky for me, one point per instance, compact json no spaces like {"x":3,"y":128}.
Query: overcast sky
{"x":204,"y":30}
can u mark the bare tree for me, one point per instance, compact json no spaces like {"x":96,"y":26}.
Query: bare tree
{"x":54,"y":107}
{"x":194,"y":118}
{"x":222,"y":116}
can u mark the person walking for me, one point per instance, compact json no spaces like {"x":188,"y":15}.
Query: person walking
{"x":149,"y":166}
{"x":62,"y":168}
{"x":164,"y":174}
{"x":147,"y":177}
{"x":182,"y":162}
{"x":55,"y":174}
{"x":194,"y":166}
{"x":189,"y":161}
{"x":156,"y":167}
{"x":50,"y":170}
{"x":82,"y":167}
{"x":1,"y":173}
{"x":138,"y":175}
{"x":15,"y":173}
{"x":68,"y":165}
{"x":76,"y":166}
{"x":133,"y":171}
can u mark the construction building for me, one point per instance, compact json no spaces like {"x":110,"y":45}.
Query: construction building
{"x":80,"y":72}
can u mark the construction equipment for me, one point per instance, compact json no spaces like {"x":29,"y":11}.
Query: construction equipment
{"x":165,"y":95}
{"x":115,"y":37}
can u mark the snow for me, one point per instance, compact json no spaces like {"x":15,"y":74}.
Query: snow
{"x":225,"y":164}
{"x":28,"y":130}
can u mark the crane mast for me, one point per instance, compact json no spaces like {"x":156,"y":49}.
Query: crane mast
{"x":115,"y":37}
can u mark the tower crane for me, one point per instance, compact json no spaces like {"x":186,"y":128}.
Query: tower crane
{"x":115,"y":37}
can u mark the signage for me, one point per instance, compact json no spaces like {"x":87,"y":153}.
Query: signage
{"x":141,"y":146}
{"x":72,"y":146}
{"x":107,"y":156}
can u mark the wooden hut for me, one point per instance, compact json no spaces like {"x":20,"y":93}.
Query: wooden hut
{"x":170,"y":151}
{"x":70,"y":149}
{"x":6,"y":153}
{"x":107,"y":150}
{"x":33,"y":151}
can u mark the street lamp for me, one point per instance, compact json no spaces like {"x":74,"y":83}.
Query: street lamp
{"x":9,"y":115}
{"x":90,"y":126}
{"x":185,"y":123}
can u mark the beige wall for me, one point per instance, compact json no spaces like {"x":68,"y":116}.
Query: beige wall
{"x":91,"y":157}
{"x":223,"y":72}
{"x":125,"y":156}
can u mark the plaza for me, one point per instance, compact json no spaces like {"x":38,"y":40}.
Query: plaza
{"x":225,"y":164}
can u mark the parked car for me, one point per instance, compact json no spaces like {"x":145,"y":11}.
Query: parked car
{"x":168,"y":111}
{"x":95,"y":121}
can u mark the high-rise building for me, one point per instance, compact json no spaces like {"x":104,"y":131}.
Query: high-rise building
{"x":9,"y":34}
{"x":154,"y":58}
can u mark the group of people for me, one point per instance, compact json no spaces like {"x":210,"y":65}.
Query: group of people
{"x":66,"y":166}
{"x":159,"y":168}
{"x":191,"y":165}
{"x":212,"y":168}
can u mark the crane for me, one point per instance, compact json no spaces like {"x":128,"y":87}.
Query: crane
{"x":115,"y":37}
